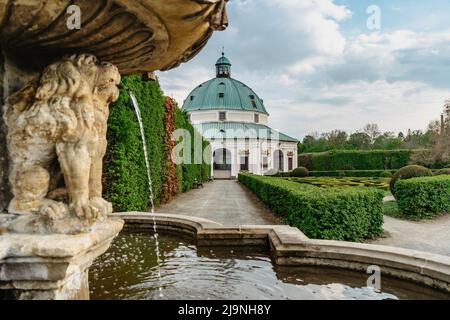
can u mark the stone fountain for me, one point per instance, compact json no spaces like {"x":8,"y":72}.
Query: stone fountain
{"x":61,"y":66}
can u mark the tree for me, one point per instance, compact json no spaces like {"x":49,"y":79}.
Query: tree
{"x":388,"y":141}
{"x":437,"y":138}
{"x":360,"y":140}
{"x":313,"y":143}
{"x":373,"y":131}
{"x":337,"y":139}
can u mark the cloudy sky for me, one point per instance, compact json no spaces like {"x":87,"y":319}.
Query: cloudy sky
{"x":319,"y":67}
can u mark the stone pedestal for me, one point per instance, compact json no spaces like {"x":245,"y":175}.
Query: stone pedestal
{"x":51,"y":267}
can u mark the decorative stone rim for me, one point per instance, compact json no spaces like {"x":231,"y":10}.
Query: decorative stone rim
{"x":290,"y":247}
{"x":138,"y":36}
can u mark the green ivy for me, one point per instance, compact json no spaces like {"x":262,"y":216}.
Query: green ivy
{"x":190,"y":174}
{"x":125,"y":176}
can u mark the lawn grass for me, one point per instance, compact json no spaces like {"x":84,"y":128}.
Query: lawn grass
{"x":390,"y":208}
{"x":329,"y":182}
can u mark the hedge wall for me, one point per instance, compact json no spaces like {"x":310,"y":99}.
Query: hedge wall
{"x":355,"y":160}
{"x":125,"y":177}
{"x":189,"y":174}
{"x":349,"y":214}
{"x":125,"y":173}
{"x":423,"y":197}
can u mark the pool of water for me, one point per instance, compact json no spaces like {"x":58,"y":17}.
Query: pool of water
{"x":129,"y":271}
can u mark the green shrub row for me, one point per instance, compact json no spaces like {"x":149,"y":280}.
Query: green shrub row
{"x":355,"y":160}
{"x":423,"y":197}
{"x":125,"y":177}
{"x":344,"y":173}
{"x":353,"y":173}
{"x":349,"y":214}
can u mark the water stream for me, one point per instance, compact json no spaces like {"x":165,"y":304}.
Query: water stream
{"x":150,"y":185}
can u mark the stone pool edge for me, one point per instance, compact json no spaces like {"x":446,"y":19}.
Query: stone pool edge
{"x":290,"y":247}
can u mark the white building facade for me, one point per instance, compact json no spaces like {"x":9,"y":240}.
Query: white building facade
{"x":234,"y":120}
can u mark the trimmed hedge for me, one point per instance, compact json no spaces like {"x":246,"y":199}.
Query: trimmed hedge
{"x":357,"y":160}
{"x":423,"y":197}
{"x":349,"y":214}
{"x":442,"y":172}
{"x":352,"y":173}
{"x":300,"y":172}
{"x":408,"y":172}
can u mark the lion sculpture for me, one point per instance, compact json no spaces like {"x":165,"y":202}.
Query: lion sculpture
{"x":57,"y":140}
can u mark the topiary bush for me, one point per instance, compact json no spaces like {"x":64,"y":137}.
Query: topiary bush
{"x":442,"y":172}
{"x":349,"y":214}
{"x":408,"y":172}
{"x":424,"y":197}
{"x":300,"y":172}
{"x":385,"y":174}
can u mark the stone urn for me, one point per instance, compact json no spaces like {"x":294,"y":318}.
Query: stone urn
{"x":61,"y":66}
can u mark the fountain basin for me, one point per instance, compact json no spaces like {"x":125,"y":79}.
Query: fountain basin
{"x":138,"y":36}
{"x":54,"y":266}
{"x":130,"y":270}
{"x":289,"y":247}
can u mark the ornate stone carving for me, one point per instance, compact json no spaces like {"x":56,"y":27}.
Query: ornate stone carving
{"x":57,"y":140}
{"x":137,"y":36}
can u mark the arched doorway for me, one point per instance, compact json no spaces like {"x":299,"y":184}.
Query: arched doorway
{"x":222,"y":164}
{"x":278,"y":160}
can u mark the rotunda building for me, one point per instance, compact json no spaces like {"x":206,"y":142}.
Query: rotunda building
{"x":233,"y":118}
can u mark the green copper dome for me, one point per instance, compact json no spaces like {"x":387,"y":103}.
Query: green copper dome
{"x":223,"y":93}
{"x":223,"y":61}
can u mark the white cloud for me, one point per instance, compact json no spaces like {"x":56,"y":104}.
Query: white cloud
{"x":313,"y":77}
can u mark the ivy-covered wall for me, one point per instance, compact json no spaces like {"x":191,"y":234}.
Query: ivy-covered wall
{"x":189,"y":174}
{"x":125,"y":178}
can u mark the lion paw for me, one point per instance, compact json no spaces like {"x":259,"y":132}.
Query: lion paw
{"x":53,"y":210}
{"x":85,"y":212}
{"x":105,"y":208}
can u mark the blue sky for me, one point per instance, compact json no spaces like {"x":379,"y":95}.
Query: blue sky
{"x":318,"y":67}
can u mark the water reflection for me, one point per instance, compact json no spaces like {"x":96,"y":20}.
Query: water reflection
{"x":129,"y":271}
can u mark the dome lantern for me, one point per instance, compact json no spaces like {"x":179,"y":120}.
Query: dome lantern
{"x":223,"y":67}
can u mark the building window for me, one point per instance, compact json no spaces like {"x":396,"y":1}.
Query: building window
{"x":256,"y":118}
{"x":192,"y":98}
{"x":252,"y":97}
{"x":290,"y":163}
{"x":254,"y":104}
{"x":221,"y":95}
{"x":222,"y":116}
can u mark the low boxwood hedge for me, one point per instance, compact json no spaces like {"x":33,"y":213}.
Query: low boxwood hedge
{"x":423,"y":197}
{"x":349,"y":214}
{"x":351,"y":173}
